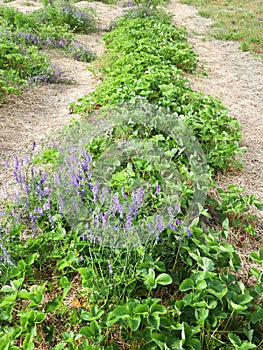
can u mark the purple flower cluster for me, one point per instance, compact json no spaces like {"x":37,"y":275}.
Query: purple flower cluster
{"x":4,"y":255}
{"x":80,"y":52}
{"x":79,"y":21}
{"x":32,"y":200}
{"x":79,"y":197}
{"x":73,"y":47}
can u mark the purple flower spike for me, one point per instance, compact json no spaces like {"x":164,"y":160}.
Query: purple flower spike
{"x":157,"y":189}
{"x":171,"y":226}
{"x":159,"y":226}
{"x":124,"y":194}
{"x":51,"y":221}
{"x":95,"y":191}
{"x":110,"y":267}
{"x":188,"y":232}
{"x":104,"y":219}
{"x":139,"y":197}
{"x":178,"y":222}
{"x":128,"y":223}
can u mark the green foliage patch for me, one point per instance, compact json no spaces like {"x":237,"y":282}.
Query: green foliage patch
{"x":146,"y":58}
{"x":179,"y":290}
{"x":24,"y":35}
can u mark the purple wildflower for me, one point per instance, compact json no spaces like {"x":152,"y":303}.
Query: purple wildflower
{"x":178,"y":222}
{"x":159,"y":226}
{"x":110,"y":268}
{"x":39,"y":192}
{"x":104,"y":219}
{"x":47,"y":205}
{"x":117,"y":207}
{"x":157,"y":189}
{"x":61,"y":206}
{"x":33,"y":222}
{"x":124,"y":194}
{"x":74,"y":204}
{"x":39,"y":210}
{"x":95,"y":191}
{"x":177,"y":207}
{"x":128,"y":223}
{"x":188,"y":232}
{"x":170,"y":212}
{"x":139,"y":197}
{"x":51,"y":221}
{"x":5,"y":257}
{"x":174,"y":228}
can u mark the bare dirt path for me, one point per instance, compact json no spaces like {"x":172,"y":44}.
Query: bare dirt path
{"x":236,"y":78}
{"x":44,"y":109}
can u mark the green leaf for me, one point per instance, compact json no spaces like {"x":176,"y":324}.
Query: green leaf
{"x":87,"y":275}
{"x":95,"y":328}
{"x":142,"y":309}
{"x":236,"y":307}
{"x":7,"y":289}
{"x":17,"y":283}
{"x":8,"y":300}
{"x":24,"y":294}
{"x":86,"y":331}
{"x":201,"y":315}
{"x":121,"y":311}
{"x":31,"y":259}
{"x":187,"y":284}
{"x":154,"y":320}
{"x":201,"y":284}
{"x":134,"y":323}
{"x":206,"y":264}
{"x":257,"y":316}
{"x":39,"y":317}
{"x":64,"y":282}
{"x":240,"y":344}
{"x":164,"y":279}
{"x":54,"y":304}
{"x":157,"y":308}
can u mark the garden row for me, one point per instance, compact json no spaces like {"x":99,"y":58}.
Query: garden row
{"x":25,"y":36}
{"x":98,"y":248}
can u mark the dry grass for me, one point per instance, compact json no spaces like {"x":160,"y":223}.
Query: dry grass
{"x":240,"y":20}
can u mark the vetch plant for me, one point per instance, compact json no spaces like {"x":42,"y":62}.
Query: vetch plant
{"x":90,"y":190}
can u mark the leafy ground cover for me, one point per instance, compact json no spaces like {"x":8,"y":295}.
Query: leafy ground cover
{"x":23,"y":36}
{"x":63,"y":283}
{"x":235,"y":20}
